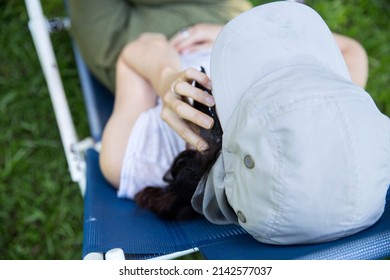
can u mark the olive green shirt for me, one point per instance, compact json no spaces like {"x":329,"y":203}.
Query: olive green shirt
{"x":101,"y":28}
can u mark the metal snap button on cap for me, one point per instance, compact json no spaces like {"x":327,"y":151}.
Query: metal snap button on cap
{"x":241,"y":217}
{"x":249,"y":162}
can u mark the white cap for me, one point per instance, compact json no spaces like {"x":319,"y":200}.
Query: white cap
{"x":306,"y":154}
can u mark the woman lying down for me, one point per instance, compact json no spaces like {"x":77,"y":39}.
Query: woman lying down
{"x":297,"y":152}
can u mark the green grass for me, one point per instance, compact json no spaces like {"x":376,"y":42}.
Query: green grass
{"x":40,"y":207}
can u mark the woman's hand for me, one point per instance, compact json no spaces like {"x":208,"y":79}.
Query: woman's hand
{"x":180,"y":115}
{"x":158,"y":62}
{"x":199,"y":36}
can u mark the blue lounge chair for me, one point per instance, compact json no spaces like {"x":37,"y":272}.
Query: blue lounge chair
{"x":110,"y":222}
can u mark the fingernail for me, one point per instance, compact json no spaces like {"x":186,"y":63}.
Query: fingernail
{"x":203,"y":146}
{"x":208,"y":123}
{"x":210,"y":100}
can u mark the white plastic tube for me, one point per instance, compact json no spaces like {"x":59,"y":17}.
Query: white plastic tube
{"x":115,"y":254}
{"x":41,"y":37}
{"x":94,"y":256}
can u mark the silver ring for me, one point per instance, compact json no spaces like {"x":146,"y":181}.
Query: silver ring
{"x":185,"y":33}
{"x":173,"y":87}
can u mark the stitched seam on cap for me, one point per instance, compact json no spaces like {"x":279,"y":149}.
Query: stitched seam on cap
{"x":225,"y":68}
{"x":351,"y":152}
{"x":277,"y":189}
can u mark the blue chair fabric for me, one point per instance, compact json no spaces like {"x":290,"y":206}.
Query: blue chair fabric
{"x":111,"y":222}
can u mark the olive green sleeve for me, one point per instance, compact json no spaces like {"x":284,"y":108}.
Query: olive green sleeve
{"x":97,"y":26}
{"x":101,"y":28}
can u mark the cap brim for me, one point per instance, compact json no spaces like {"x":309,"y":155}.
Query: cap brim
{"x":263,"y":40}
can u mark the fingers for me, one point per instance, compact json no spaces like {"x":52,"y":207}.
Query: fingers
{"x":181,"y":36}
{"x":195,"y":47}
{"x":179,"y":115}
{"x":196,"y":37}
{"x":193,"y":38}
{"x":184,"y":45}
{"x":187,"y":112}
{"x":183,"y":129}
{"x":183,"y":87}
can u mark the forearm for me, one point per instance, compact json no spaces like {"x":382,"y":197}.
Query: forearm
{"x":133,"y":95}
{"x":154,"y":59}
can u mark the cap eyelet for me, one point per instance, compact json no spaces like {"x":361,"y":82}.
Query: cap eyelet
{"x":249,"y":162}
{"x":241,"y":217}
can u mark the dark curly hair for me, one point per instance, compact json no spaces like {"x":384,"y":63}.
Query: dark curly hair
{"x":174,"y":201}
